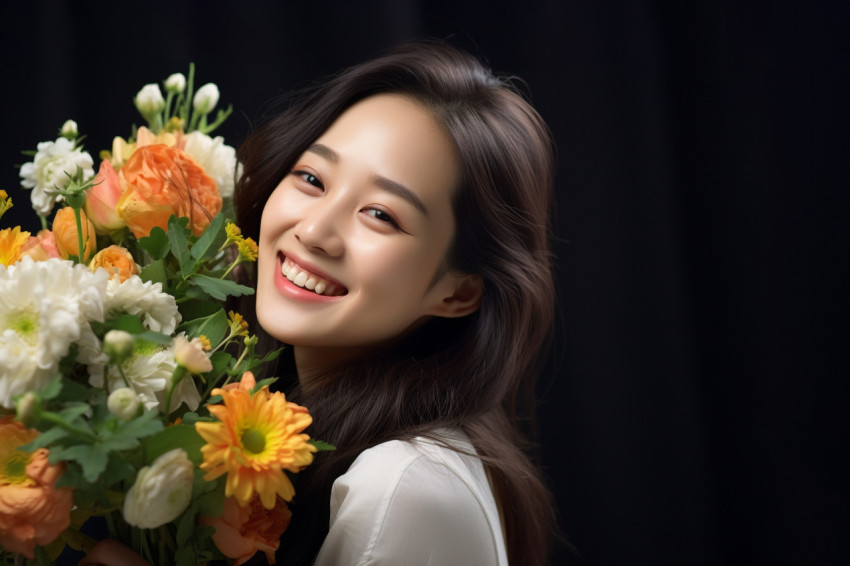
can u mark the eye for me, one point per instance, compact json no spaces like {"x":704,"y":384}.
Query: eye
{"x":310,"y":178}
{"x":382,"y":216}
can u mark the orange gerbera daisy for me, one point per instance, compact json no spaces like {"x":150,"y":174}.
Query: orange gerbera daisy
{"x":258,"y":436}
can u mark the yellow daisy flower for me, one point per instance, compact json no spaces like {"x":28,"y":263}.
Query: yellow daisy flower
{"x":258,"y":436}
{"x":247,"y":249}
{"x":11,"y":242}
{"x":238,"y":325}
{"x":234,"y":234}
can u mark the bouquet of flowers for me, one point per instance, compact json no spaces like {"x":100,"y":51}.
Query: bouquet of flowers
{"x":126,"y":392}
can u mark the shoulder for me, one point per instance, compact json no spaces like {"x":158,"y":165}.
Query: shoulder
{"x":419,"y":500}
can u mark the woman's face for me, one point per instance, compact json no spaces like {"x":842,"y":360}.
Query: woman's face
{"x":352,"y":239}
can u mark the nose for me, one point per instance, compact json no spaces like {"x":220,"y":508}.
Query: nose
{"x":320,"y":228}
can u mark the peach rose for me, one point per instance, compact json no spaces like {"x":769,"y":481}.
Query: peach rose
{"x":65,"y":234}
{"x":102,"y":199}
{"x":42,"y":246}
{"x":158,"y":181}
{"x":32,"y":510}
{"x":117,"y":261}
{"x":122,"y":150}
{"x":241,"y":531}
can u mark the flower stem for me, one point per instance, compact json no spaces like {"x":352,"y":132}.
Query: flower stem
{"x":55,"y":419}
{"x":236,"y":262}
{"x":80,"y":246}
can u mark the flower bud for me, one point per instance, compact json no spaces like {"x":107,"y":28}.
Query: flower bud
{"x":69,"y":130}
{"x":206,"y":98}
{"x":149,"y":100}
{"x":191,"y":355}
{"x":161,"y":492}
{"x":123,"y":403}
{"x":175,"y":83}
{"x":118,"y":344}
{"x":28,"y":409}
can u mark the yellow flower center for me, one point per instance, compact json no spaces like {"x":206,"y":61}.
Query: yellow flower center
{"x":14,"y":469}
{"x":24,"y":324}
{"x":253,"y":441}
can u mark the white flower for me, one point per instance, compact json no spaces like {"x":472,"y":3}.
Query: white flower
{"x":191,"y":355}
{"x":118,"y":344}
{"x":205,"y":99}
{"x":149,"y":370}
{"x":161,"y":491}
{"x":49,"y":170}
{"x":149,"y":100}
{"x":145,"y":299}
{"x":45,"y":306}
{"x":69,"y":130}
{"x":175,"y":83}
{"x":217,"y":159}
{"x":123,"y":403}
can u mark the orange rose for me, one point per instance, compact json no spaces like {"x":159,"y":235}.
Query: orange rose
{"x":32,"y":510}
{"x":241,"y":531}
{"x":102,"y":198}
{"x":65,"y":233}
{"x":158,"y":181}
{"x":117,"y":261}
{"x":41,"y":246}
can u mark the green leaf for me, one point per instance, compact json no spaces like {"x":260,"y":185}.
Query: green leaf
{"x":126,"y":322}
{"x":214,"y":327}
{"x":156,"y":243}
{"x":262,"y":383}
{"x":175,"y":436}
{"x":140,"y":427}
{"x":92,"y":458}
{"x":186,"y":525}
{"x":210,"y":241}
{"x":220,"y":288}
{"x":53,"y":388}
{"x":321,"y":446}
{"x":154,"y":272}
{"x":74,"y":410}
{"x":178,"y":238}
{"x":45,"y":439}
{"x":154,"y":337}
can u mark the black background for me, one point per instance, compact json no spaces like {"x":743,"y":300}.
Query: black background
{"x":692,"y":411}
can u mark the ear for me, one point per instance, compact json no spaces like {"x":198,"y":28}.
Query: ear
{"x":457,"y":294}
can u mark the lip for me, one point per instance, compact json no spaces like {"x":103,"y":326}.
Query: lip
{"x":293,"y":291}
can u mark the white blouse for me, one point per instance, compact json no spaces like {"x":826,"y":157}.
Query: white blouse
{"x":414,"y":503}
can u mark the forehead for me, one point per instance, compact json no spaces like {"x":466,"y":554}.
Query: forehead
{"x":394,"y":136}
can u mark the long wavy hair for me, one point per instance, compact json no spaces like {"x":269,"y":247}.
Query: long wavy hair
{"x":474,"y":373}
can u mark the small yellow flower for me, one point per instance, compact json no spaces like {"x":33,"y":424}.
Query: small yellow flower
{"x":247,"y":249}
{"x":11,"y":242}
{"x":205,"y":343}
{"x":5,"y":202}
{"x":238,"y":325}
{"x":234,"y":234}
{"x":258,"y":436}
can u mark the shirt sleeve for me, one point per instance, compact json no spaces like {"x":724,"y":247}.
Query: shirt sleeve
{"x":396,"y":507}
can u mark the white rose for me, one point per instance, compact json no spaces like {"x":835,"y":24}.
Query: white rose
{"x":217,"y":159}
{"x":161,"y":492}
{"x":206,"y":98}
{"x":123,"y":403}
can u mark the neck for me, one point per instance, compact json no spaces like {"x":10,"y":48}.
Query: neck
{"x":317,"y":364}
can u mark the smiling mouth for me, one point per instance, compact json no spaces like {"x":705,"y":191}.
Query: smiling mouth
{"x":300,"y":277}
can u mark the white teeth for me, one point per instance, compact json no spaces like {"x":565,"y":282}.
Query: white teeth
{"x":305,"y":279}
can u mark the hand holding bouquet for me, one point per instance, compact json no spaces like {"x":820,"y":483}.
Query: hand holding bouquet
{"x":126,"y":390}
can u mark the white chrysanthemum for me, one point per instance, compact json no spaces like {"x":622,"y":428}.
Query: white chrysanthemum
{"x":53,"y":162}
{"x":157,"y":310}
{"x":217,"y":159}
{"x":45,"y":306}
{"x":148,"y":370}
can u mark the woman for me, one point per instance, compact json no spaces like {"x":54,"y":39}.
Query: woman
{"x":402,"y":213}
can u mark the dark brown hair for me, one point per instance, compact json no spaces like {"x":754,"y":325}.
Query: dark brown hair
{"x":469,"y":373}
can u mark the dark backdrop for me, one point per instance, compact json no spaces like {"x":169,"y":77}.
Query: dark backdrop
{"x":692,"y":408}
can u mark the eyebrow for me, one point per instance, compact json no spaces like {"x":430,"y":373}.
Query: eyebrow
{"x":388,"y":185}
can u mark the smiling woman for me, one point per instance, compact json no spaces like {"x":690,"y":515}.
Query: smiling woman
{"x":402,"y":214}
